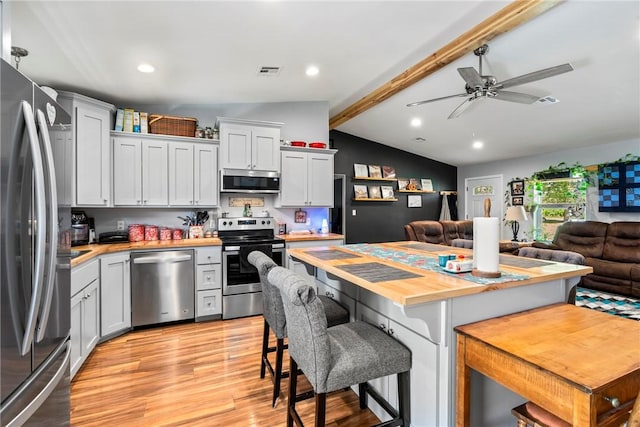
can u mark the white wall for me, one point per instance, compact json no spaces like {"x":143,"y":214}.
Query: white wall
{"x":305,"y":121}
{"x":525,"y":166}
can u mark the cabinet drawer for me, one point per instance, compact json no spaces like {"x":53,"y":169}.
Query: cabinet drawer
{"x":84,"y":274}
{"x":208,"y":255}
{"x":208,"y":276}
{"x":208,"y":303}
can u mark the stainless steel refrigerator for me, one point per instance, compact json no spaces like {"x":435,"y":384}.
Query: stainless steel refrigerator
{"x":35,"y":254}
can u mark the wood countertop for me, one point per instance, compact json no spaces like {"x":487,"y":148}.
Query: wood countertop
{"x":97,"y":249}
{"x":310,"y":237}
{"x":427,"y":285}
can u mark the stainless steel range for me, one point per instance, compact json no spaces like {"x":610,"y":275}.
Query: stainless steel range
{"x":241,"y":289}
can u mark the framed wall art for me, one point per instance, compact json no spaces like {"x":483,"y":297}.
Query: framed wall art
{"x":517,"y":188}
{"x":360,"y":191}
{"x":374,"y":192}
{"x":414,"y":201}
{"x":360,"y":170}
{"x":517,"y":201}
{"x":375,"y":171}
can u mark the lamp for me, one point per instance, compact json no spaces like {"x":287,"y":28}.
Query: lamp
{"x":515,"y":214}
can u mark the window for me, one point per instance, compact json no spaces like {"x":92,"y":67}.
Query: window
{"x":561,"y":200}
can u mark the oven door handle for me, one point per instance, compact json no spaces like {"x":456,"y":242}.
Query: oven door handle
{"x":161,"y":259}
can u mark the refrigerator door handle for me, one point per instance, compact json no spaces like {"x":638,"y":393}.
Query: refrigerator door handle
{"x":37,"y":402}
{"x":52,"y":225}
{"x":41,"y":225}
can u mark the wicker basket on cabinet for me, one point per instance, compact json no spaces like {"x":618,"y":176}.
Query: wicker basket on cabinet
{"x":169,"y":125}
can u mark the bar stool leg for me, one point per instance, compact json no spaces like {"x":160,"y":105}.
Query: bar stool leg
{"x":278,"y":372}
{"x":321,"y":409}
{"x":293,"y":384}
{"x":404,"y":395}
{"x":362,"y":395}
{"x":265,"y":347}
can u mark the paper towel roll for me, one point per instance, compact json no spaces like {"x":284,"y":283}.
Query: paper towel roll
{"x":486,"y":244}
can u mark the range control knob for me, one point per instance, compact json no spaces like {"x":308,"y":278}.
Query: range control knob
{"x":230,"y":222}
{"x":268,"y":222}
{"x":224,"y":222}
{"x":263,"y":222}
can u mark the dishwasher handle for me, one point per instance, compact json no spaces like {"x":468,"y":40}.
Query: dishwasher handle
{"x":157,"y":259}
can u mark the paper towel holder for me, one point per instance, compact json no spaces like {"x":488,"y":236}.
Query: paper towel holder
{"x":479,"y":273}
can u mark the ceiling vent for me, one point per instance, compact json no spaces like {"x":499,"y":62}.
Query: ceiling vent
{"x":548,"y":100}
{"x":268,"y":71}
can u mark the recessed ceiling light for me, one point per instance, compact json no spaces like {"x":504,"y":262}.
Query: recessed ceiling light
{"x":478,"y":144}
{"x":146,"y":68}
{"x":416,"y":122}
{"x":312,"y":70}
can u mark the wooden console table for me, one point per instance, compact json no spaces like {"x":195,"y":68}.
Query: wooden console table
{"x":570,"y":360}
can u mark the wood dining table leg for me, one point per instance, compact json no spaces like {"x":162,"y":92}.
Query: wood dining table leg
{"x":463,"y":384}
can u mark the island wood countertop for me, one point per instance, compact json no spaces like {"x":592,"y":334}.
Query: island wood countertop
{"x":430,"y":285}
{"x":310,"y":237}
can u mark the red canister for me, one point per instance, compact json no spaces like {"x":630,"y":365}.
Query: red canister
{"x":136,"y":232}
{"x":150,"y":232}
{"x":165,"y":233}
{"x":177,"y":234}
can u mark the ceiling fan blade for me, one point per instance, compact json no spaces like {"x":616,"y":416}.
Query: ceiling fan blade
{"x":413,"y":104}
{"x":522,"y":98}
{"x":471,"y":76}
{"x":532,"y":77}
{"x":461,"y":108}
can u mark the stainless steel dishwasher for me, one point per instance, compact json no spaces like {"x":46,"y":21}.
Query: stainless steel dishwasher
{"x":162,"y":286}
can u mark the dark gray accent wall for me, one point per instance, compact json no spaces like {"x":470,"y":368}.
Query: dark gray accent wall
{"x":384,"y":221}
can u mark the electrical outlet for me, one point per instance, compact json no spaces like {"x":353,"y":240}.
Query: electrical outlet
{"x":120,"y":224}
{"x":353,"y":212}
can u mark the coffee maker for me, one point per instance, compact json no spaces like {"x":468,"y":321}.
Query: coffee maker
{"x":79,"y":228}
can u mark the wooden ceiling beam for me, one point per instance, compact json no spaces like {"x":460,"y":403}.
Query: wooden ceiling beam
{"x":509,"y":17}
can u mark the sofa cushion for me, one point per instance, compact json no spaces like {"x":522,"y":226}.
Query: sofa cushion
{"x":552,"y":255}
{"x":465,"y":229}
{"x":635,"y":281}
{"x":449,"y":231}
{"x":609,"y":276}
{"x":427,"y":231}
{"x":585,"y":237}
{"x":622,"y":243}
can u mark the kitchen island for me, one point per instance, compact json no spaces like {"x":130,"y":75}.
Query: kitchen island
{"x":400,"y":287}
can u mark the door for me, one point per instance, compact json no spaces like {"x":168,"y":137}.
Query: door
{"x":478,"y":190}
{"x":235,"y":147}
{"x":92,"y":150}
{"x":205,"y":167}
{"x":265,"y":151}
{"x":155,"y":183}
{"x":127,"y":172}
{"x":181,"y":173}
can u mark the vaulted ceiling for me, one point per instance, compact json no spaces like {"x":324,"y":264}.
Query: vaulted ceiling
{"x":209,"y":52}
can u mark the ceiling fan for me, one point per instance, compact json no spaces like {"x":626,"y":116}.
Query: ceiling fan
{"x":479,"y":86}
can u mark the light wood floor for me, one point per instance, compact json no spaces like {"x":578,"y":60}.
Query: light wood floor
{"x":194,"y":374}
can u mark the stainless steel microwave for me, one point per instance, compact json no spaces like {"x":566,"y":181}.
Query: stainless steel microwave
{"x":248,"y":181}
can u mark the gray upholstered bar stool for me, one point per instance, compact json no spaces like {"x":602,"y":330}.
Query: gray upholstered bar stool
{"x":275,"y":320}
{"x":337,"y":357}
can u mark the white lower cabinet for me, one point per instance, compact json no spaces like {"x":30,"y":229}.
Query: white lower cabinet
{"x":341,"y":297}
{"x":423,"y":390}
{"x":85,"y":312}
{"x":208,"y":282}
{"x":115,"y":293}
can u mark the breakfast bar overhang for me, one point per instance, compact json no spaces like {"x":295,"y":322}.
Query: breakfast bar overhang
{"x":400,"y":287}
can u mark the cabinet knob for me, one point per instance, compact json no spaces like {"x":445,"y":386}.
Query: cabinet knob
{"x":382,"y":326}
{"x":248,"y":166}
{"x":208,"y":277}
{"x":145,"y":202}
{"x":615,"y":402}
{"x":138,"y":201}
{"x":190,"y":202}
{"x":391,"y":332}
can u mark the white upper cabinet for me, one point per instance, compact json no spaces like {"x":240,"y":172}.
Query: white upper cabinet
{"x":249,"y":145}
{"x":307,"y":177}
{"x":91,"y":120}
{"x":192,"y":174}
{"x":140,"y":171}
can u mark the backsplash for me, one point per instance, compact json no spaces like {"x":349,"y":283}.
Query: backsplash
{"x":106,"y":219}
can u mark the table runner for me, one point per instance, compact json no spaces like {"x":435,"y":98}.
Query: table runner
{"x":426,"y":263}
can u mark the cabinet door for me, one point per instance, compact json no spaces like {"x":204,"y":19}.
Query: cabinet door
{"x":320,"y":179}
{"x":90,"y":318}
{"x":342,"y":298}
{"x":293,"y":181}
{"x":115,"y":293}
{"x":208,"y":303}
{"x":208,"y":276}
{"x":235,"y":147}
{"x":127,"y":172}
{"x":423,"y":374}
{"x":205,"y":169}
{"x":265,"y":150}
{"x":75,"y":345}
{"x":93,"y":175}
{"x":155,"y":182}
{"x":181,"y":174}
